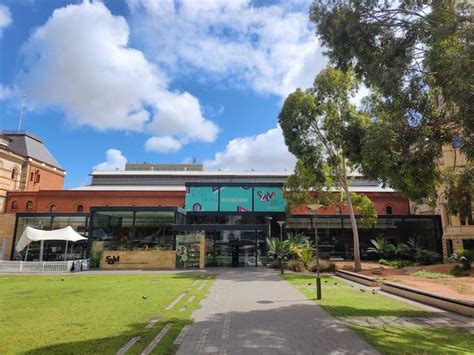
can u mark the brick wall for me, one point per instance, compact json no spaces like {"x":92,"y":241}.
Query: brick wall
{"x":7,"y":226}
{"x":69,"y":201}
{"x":43,"y":178}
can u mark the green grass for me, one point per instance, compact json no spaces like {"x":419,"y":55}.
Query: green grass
{"x":341,"y":300}
{"x":86,"y":314}
{"x":431,"y":275}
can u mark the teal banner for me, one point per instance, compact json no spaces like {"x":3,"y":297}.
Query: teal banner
{"x":268,"y":199}
{"x":236,"y":199}
{"x":202,"y":198}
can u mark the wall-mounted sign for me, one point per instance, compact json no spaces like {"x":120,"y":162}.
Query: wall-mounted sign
{"x":202,"y":198}
{"x":268,"y":199}
{"x":235,"y":199}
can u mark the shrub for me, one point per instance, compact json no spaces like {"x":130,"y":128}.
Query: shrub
{"x":427,"y":257}
{"x":324,"y":266}
{"x":400,"y":263}
{"x":384,"y":262}
{"x":458,"y":271}
{"x":465,"y":257}
{"x":381,"y":247}
{"x":295,"y":265}
{"x":431,"y":275}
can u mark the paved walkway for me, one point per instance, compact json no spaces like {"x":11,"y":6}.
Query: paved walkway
{"x":252,"y":311}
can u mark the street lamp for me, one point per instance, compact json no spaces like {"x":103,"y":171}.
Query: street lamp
{"x":269,"y":221}
{"x":281,"y":223}
{"x":314,"y":208}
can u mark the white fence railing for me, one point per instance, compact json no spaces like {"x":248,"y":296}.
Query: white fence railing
{"x":44,"y":266}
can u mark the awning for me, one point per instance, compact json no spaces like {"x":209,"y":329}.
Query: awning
{"x":35,"y":235}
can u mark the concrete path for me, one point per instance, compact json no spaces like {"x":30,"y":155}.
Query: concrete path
{"x":253,"y":311}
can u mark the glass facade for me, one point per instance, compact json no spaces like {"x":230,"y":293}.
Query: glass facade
{"x":132,"y":228}
{"x":336,"y":240}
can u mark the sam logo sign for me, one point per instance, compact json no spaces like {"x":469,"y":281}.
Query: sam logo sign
{"x":265,"y":196}
{"x":112,"y":260}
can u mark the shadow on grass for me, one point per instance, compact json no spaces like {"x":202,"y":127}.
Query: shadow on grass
{"x":347,"y":311}
{"x":110,"y":345}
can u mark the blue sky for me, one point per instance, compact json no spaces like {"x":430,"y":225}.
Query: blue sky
{"x":141,"y":80}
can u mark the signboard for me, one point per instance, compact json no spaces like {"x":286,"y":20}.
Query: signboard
{"x":235,"y":199}
{"x":268,"y":199}
{"x":202,"y":198}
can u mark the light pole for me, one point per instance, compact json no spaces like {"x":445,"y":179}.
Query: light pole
{"x":281,"y":223}
{"x":314,"y":208}
{"x":269,"y":221}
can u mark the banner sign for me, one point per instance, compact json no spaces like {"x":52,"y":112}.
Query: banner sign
{"x":202,"y":198}
{"x":235,"y":199}
{"x":268,"y":199}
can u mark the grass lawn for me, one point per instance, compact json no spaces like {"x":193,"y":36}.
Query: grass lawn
{"x":86,"y":314}
{"x":341,"y":300}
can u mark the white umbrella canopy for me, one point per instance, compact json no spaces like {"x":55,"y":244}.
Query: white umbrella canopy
{"x":35,"y":235}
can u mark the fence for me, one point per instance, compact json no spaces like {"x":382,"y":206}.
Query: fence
{"x":44,"y":266}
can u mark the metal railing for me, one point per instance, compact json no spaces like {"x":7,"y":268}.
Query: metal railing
{"x":44,"y":266}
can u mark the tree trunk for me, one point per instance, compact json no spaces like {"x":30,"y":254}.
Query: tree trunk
{"x":355,"y":231}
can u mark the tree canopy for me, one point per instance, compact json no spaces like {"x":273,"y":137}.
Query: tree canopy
{"x":416,"y":57}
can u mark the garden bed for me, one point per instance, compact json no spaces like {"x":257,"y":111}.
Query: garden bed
{"x":455,"y":287}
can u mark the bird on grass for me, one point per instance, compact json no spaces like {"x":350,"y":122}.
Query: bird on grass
{"x":374,"y":292}
{"x":62,"y":279}
{"x":352,"y":286}
{"x":362,"y":290}
{"x":335,"y":283}
{"x":325,"y":281}
{"x":309,"y":283}
{"x":144,"y":297}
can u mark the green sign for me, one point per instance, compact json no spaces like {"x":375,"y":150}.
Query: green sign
{"x":236,"y":199}
{"x":202,"y":198}
{"x":268,"y":199}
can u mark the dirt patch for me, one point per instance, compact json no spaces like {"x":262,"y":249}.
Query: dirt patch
{"x":457,"y":287}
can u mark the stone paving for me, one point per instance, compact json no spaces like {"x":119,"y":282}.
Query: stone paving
{"x":253,"y":311}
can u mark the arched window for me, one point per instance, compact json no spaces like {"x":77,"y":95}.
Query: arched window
{"x":14,"y":205}
{"x":53,"y":208}
{"x":14,"y":173}
{"x":29,"y":205}
{"x":80,"y":208}
{"x":389,"y":209}
{"x":338,"y":210}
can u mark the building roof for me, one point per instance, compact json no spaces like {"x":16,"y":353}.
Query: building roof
{"x":28,"y":145}
{"x":189,"y":173}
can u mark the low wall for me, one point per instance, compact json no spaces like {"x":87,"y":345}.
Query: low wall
{"x":362,"y":279}
{"x":140,"y":259}
{"x":450,"y":304}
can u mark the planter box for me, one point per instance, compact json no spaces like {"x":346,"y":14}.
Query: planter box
{"x":361,"y":279}
{"x":447,"y":303}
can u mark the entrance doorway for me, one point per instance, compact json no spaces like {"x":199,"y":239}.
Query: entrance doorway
{"x":225,"y":246}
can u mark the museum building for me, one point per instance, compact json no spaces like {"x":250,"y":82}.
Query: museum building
{"x":179,"y":215}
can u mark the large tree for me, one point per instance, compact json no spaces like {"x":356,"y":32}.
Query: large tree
{"x":417,"y":59}
{"x":313,"y":124}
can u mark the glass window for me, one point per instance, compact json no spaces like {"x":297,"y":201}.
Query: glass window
{"x":113,"y":229}
{"x":43,"y":223}
{"x":80,"y":208}
{"x":53,"y":208}
{"x":14,"y":205}
{"x":389,"y":210}
{"x":153,"y":230}
{"x":29,"y":205}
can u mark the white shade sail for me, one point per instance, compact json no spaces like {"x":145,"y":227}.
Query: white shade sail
{"x":35,"y":235}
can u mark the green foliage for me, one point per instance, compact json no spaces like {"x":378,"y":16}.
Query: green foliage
{"x":366,"y":208}
{"x":465,"y":257}
{"x":416,"y":58}
{"x":314,"y":125}
{"x":384,"y":262}
{"x":458,"y":271}
{"x":279,"y":250}
{"x":400,"y":263}
{"x":460,"y":191}
{"x":382,"y":247}
{"x":301,"y":246}
{"x":431,"y":275}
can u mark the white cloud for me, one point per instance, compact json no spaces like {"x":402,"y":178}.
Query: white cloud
{"x":264,"y":152}
{"x":165,"y":144}
{"x":5,"y":17}
{"x":80,"y":60}
{"x":7,"y":92}
{"x":270,"y":48}
{"x":114,"y":160}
